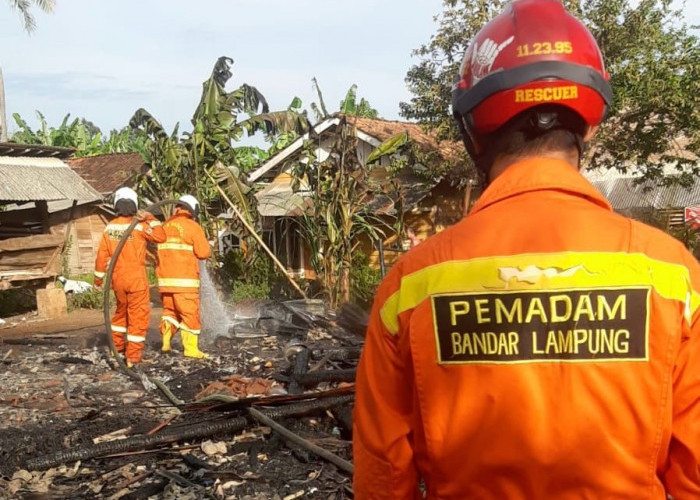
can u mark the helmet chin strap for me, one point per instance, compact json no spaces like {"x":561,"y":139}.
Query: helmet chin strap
{"x":466,"y":137}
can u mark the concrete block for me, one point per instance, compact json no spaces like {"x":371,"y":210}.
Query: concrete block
{"x":51,"y":303}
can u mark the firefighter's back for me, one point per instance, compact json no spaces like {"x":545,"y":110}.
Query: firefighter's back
{"x":555,"y":345}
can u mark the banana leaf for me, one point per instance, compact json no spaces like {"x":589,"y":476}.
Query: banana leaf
{"x":389,"y":147}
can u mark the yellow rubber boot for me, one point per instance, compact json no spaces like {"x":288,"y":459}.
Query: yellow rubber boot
{"x":167,"y":334}
{"x":190,"y":343}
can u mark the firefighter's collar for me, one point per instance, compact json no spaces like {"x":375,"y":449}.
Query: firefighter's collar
{"x":539,"y":174}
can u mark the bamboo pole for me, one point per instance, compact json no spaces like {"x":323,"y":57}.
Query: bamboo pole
{"x":257,"y":238}
{"x":304,"y":443}
{"x":3,"y":110}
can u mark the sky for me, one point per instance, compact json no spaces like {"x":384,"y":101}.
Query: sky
{"x":102,"y":60}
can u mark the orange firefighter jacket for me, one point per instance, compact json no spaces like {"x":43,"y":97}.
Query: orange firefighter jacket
{"x":129,"y":273}
{"x":543,"y":348}
{"x":179,"y":255}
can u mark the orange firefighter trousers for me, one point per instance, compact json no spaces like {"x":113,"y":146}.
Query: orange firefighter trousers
{"x":180,"y":310}
{"x":133,"y":309}
{"x":130,"y":283}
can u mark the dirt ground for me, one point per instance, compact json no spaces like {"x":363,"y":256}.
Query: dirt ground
{"x":62,"y":391}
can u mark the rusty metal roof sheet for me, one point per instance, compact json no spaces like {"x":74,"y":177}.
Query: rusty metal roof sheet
{"x":46,"y":179}
{"x":34,"y":150}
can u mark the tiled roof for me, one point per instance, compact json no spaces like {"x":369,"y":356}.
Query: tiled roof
{"x":107,"y":173}
{"x":378,"y":131}
{"x":385,"y":129}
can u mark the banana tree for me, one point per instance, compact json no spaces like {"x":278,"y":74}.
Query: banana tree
{"x":79,"y":134}
{"x":348,"y":106}
{"x":340,"y":215}
{"x":209,"y":155}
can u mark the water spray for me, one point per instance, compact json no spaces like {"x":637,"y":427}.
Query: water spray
{"x":108,"y":285}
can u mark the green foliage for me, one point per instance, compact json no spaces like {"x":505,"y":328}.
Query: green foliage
{"x":653,"y":58}
{"x":389,"y":147}
{"x":92,"y":299}
{"x":363,"y":279}
{"x":151,"y":275}
{"x":348,"y":106}
{"x":24,"y":9}
{"x":248,"y":279}
{"x":197,"y":161}
{"x":78,"y":134}
{"x":340,"y":214}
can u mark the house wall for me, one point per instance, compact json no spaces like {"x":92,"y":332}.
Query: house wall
{"x":78,"y":228}
{"x":442,"y":209}
{"x":30,"y":250}
{"x":83,"y":235}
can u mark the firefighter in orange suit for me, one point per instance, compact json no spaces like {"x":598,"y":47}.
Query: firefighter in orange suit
{"x":178,"y":276}
{"x":544,"y":347}
{"x":129,"y":281}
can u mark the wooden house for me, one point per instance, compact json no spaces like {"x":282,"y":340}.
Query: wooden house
{"x":426,"y":206}
{"x":39,"y":196}
{"x":106,"y":174}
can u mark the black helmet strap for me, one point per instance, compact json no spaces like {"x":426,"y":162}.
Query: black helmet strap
{"x":532,"y":124}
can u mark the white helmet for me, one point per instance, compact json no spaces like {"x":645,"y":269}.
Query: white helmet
{"x":190,"y":201}
{"x":126,"y":193}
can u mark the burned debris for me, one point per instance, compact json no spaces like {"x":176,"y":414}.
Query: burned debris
{"x":269,"y":416}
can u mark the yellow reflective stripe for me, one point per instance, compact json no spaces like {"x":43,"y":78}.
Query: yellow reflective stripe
{"x":171,"y":320}
{"x":138,"y":227}
{"x":135,"y":338}
{"x":116,"y":227}
{"x":538,"y":272}
{"x":179,"y":282}
{"x":187,"y":329}
{"x":155,"y":223}
{"x":99,"y":274}
{"x":119,"y":329}
{"x":175,"y":246}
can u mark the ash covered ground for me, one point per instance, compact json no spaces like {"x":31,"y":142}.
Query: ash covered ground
{"x":62,"y":391}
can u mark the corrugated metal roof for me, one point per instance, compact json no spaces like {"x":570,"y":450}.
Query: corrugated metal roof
{"x":47,"y":179}
{"x":52,"y":206}
{"x":625,"y":193}
{"x":30,"y":161}
{"x":280,"y":200}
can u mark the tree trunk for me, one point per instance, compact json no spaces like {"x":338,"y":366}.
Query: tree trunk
{"x":3,"y":111}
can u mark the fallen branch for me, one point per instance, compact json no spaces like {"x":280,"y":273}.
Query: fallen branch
{"x":162,"y":425}
{"x":170,"y":449}
{"x":289,"y":435}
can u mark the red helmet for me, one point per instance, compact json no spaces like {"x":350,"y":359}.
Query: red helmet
{"x":534,"y":53}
